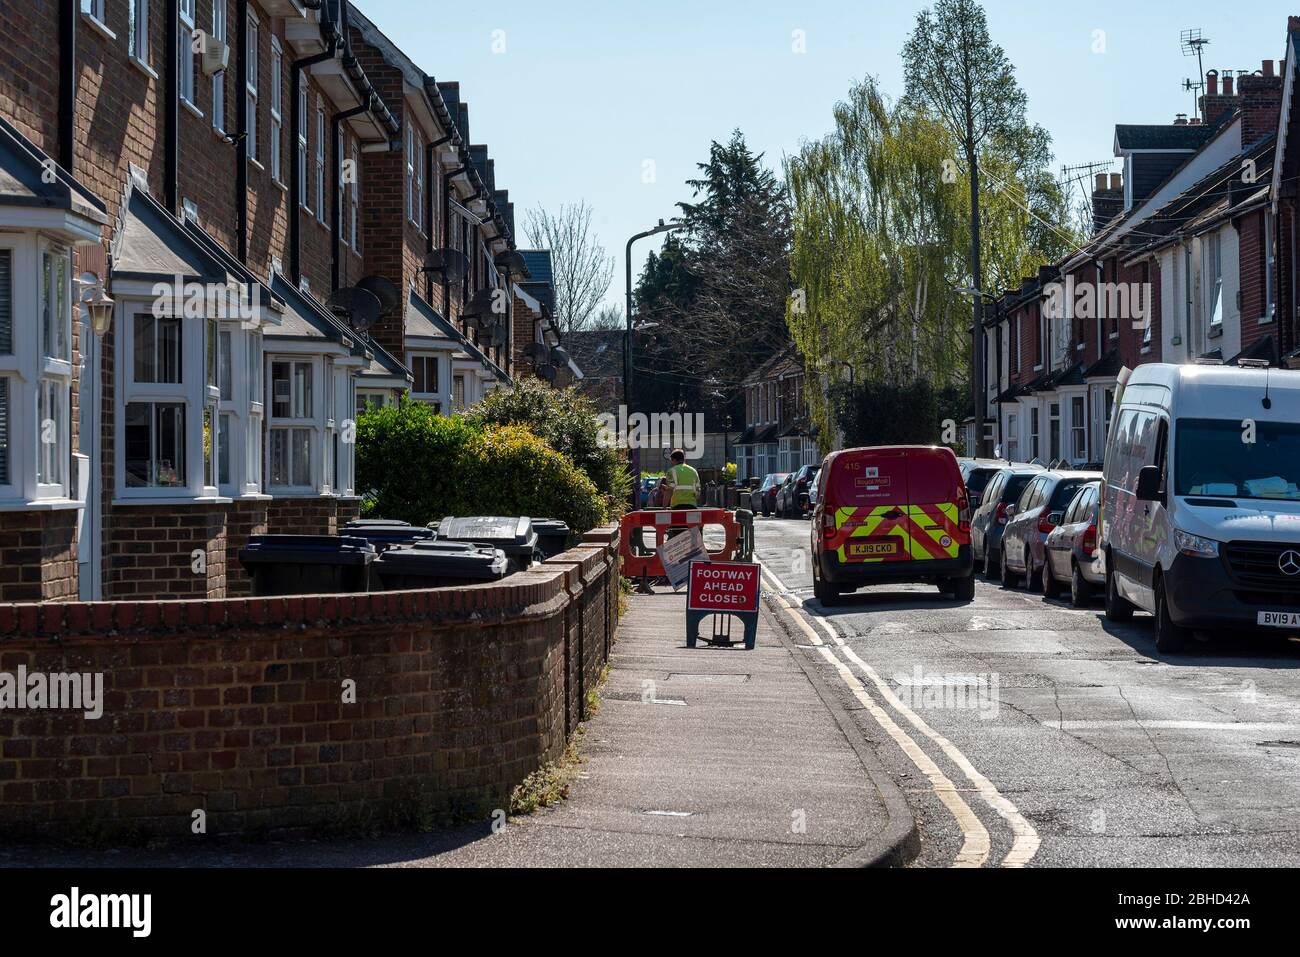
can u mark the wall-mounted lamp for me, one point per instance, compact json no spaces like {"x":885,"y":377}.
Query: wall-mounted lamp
{"x":100,"y":307}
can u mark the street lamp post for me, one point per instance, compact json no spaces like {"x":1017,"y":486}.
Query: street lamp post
{"x":979,"y":369}
{"x":627,"y":352}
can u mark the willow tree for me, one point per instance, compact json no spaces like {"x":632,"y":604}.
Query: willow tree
{"x":880,"y":226}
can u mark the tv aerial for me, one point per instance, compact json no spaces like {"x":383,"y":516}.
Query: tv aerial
{"x":1193,"y":43}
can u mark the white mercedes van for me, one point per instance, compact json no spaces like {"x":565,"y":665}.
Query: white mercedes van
{"x":1201,"y":516}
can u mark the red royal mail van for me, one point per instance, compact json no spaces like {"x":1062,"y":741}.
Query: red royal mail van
{"x":886,"y":516}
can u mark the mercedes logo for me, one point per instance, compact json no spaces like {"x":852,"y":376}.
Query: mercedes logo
{"x":1289,"y":563}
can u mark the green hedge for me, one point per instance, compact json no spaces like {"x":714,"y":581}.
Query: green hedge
{"x":566,"y":419}
{"x":419,"y":467}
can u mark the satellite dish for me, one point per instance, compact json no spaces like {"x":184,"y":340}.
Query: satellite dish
{"x":480,"y":308}
{"x":384,"y":290}
{"x":559,"y":356}
{"x":549,"y":373}
{"x":360,"y":308}
{"x":449,"y":264}
{"x":537,"y":352}
{"x":511,"y":263}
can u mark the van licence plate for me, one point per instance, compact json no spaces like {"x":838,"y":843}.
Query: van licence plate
{"x":1279,"y":619}
{"x":872,"y":549}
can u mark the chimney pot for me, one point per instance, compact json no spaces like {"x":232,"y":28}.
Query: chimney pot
{"x":1101,"y":183}
{"x":1212,"y":83}
{"x":1268,"y":67}
{"x":1227,"y":84}
{"x":1116,"y":181}
{"x":1180,"y":119}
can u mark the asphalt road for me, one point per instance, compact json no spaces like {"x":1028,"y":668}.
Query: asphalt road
{"x":1068,"y":740}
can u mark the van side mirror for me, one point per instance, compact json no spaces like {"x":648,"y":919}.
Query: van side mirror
{"x":1148,"y":485}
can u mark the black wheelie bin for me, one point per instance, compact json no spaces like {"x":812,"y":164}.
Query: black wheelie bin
{"x":385,"y":533}
{"x":307,"y":564}
{"x":513,"y":535}
{"x":439,"y":565}
{"x":552,"y":536}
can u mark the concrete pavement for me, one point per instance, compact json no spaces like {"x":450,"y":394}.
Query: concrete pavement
{"x":698,"y":757}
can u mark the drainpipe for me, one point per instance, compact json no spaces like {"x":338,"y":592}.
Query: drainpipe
{"x":428,"y":179}
{"x":295,"y":172}
{"x":336,"y":228}
{"x":172,"y":111}
{"x":68,"y":10}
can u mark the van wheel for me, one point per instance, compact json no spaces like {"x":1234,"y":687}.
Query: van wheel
{"x":826,"y":593}
{"x":1170,"y":638}
{"x":1080,"y":588}
{"x":962,"y":589}
{"x":1117,"y":609}
{"x":1030,"y":583}
{"x":1004,"y":572}
{"x":1051,"y":587}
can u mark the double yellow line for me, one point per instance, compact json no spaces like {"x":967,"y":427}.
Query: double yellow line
{"x":976,"y":845}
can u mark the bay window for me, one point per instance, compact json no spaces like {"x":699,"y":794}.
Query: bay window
{"x":292,"y":424}
{"x":171,"y":370}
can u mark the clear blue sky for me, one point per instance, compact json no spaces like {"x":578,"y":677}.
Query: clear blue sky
{"x":587,"y":91}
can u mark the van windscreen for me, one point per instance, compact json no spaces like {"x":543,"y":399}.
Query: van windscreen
{"x":1214,"y":458}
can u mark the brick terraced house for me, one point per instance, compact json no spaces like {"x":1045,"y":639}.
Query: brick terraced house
{"x":226,"y":227}
{"x":1192,"y":260}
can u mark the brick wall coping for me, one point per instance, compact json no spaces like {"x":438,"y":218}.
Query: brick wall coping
{"x":535,"y":594}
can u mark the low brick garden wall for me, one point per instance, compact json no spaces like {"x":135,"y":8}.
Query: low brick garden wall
{"x":304,"y":715}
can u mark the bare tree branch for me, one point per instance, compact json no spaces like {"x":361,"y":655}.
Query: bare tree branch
{"x":582,"y":272}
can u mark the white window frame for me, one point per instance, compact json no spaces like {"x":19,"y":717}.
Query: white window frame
{"x":313,"y":423}
{"x":419,"y":181}
{"x":193,"y":393}
{"x":304,"y":167}
{"x":1078,"y":426}
{"x":95,"y":10}
{"x":186,"y":84}
{"x":251,"y":85}
{"x":321,"y":126}
{"x":277,"y":110}
{"x":354,"y":208}
{"x":220,"y":12}
{"x":1213,"y":249}
{"x":137,"y":43}
{"x":410,"y":173}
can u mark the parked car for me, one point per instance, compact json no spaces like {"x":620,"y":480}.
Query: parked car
{"x":891,"y":515}
{"x":990,"y":519}
{"x":1072,"y":549}
{"x":1201,"y":509}
{"x":977,"y":473}
{"x":763,"y":498}
{"x":1039,"y":510}
{"x":792,"y":496}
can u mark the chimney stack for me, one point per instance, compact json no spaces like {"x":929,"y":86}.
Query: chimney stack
{"x":1261,"y":104}
{"x":1218,"y":100}
{"x":1180,"y":119}
{"x":1107,"y":200}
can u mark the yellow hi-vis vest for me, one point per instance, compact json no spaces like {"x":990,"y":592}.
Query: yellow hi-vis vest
{"x":686,"y":485}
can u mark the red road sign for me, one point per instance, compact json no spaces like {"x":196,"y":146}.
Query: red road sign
{"x":723,"y":587}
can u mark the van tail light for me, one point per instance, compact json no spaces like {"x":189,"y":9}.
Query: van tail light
{"x":828,"y":524}
{"x":1001,"y":514}
{"x":964,"y":525}
{"x":1045,"y":524}
{"x":1089,"y":543}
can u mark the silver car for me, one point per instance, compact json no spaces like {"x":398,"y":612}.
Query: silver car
{"x":1071,"y":548}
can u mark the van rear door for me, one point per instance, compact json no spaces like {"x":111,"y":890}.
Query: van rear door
{"x":935,"y":500}
{"x":868,"y":492}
